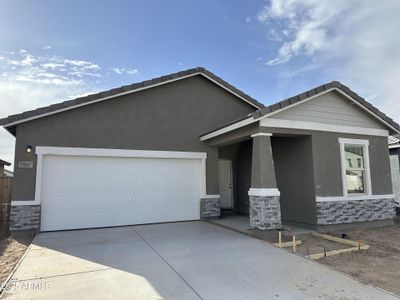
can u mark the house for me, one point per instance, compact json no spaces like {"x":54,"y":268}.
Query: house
{"x":394,"y":152}
{"x":186,"y":145}
{"x":3,"y":171}
{"x":8,"y":173}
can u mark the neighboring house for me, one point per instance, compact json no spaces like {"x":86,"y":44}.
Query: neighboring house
{"x":2,"y":169}
{"x":394,"y":151}
{"x":182,"y":146}
{"x":8,"y":173}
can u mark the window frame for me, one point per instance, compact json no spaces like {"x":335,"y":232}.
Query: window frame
{"x":367,"y":172}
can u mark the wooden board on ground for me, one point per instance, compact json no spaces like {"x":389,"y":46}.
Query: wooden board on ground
{"x":287,"y":244}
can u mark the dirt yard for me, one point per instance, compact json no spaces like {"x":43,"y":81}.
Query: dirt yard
{"x":11,"y":250}
{"x":379,"y":265}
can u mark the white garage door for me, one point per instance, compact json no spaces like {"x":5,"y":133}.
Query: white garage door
{"x":84,"y":191}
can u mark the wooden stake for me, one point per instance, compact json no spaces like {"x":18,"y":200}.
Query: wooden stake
{"x":280,"y":238}
{"x":294,"y":244}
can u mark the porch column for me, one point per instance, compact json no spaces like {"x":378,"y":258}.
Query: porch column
{"x":265,"y":211}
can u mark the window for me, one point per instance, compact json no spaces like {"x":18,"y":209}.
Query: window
{"x":355,"y":167}
{"x":355,"y":175}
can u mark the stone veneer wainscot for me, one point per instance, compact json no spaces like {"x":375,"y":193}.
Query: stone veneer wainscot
{"x":339,"y":212}
{"x":25,"y":217}
{"x":209,"y":207}
{"x":265,"y":212}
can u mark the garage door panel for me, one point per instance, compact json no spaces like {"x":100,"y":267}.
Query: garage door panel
{"x":119,"y":217}
{"x":83,"y":192}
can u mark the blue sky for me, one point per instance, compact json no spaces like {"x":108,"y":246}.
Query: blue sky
{"x":55,"y":50}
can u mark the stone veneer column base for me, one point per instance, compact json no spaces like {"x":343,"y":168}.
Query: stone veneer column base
{"x":24,"y":217}
{"x":210,"y":207}
{"x":340,"y":212}
{"x":265,"y":212}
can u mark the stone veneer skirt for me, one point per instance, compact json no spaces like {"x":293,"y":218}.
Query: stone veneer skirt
{"x":24,"y":217}
{"x":209,"y":207}
{"x":339,"y":212}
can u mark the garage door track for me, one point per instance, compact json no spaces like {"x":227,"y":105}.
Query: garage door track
{"x":188,"y":260}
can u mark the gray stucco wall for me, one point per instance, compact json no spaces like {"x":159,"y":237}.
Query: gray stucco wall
{"x":327,"y":168}
{"x":170,"y":117}
{"x":326,"y":164}
{"x":326,"y":157}
{"x":293,"y":163}
{"x":262,"y":163}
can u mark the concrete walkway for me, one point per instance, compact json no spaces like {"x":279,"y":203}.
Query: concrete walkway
{"x":189,"y":260}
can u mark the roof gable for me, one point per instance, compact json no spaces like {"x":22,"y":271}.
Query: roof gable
{"x":322,"y":89}
{"x":291,"y":102}
{"x":13,"y":120}
{"x":330,"y":108}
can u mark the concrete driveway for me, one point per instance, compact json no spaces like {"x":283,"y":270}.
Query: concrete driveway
{"x":189,"y":260}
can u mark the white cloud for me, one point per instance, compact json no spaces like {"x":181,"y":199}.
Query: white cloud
{"x":352,"y":41}
{"x":87,"y":65}
{"x":118,"y":70}
{"x":48,"y":47}
{"x":306,"y":25}
{"x":52,"y":65}
{"x":132,"y":71}
{"x":28,"y":60}
{"x":30,"y":81}
{"x":17,"y":96}
{"x":121,"y":71}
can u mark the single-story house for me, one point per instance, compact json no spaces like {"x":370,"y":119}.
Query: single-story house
{"x":394,"y":153}
{"x":3,"y":171}
{"x":187,"y":145}
{"x":8,"y":173}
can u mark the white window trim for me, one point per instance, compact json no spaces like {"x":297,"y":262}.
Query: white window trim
{"x":102,"y":152}
{"x":367,"y":171}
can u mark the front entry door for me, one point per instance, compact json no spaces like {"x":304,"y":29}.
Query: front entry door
{"x":225,"y":183}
